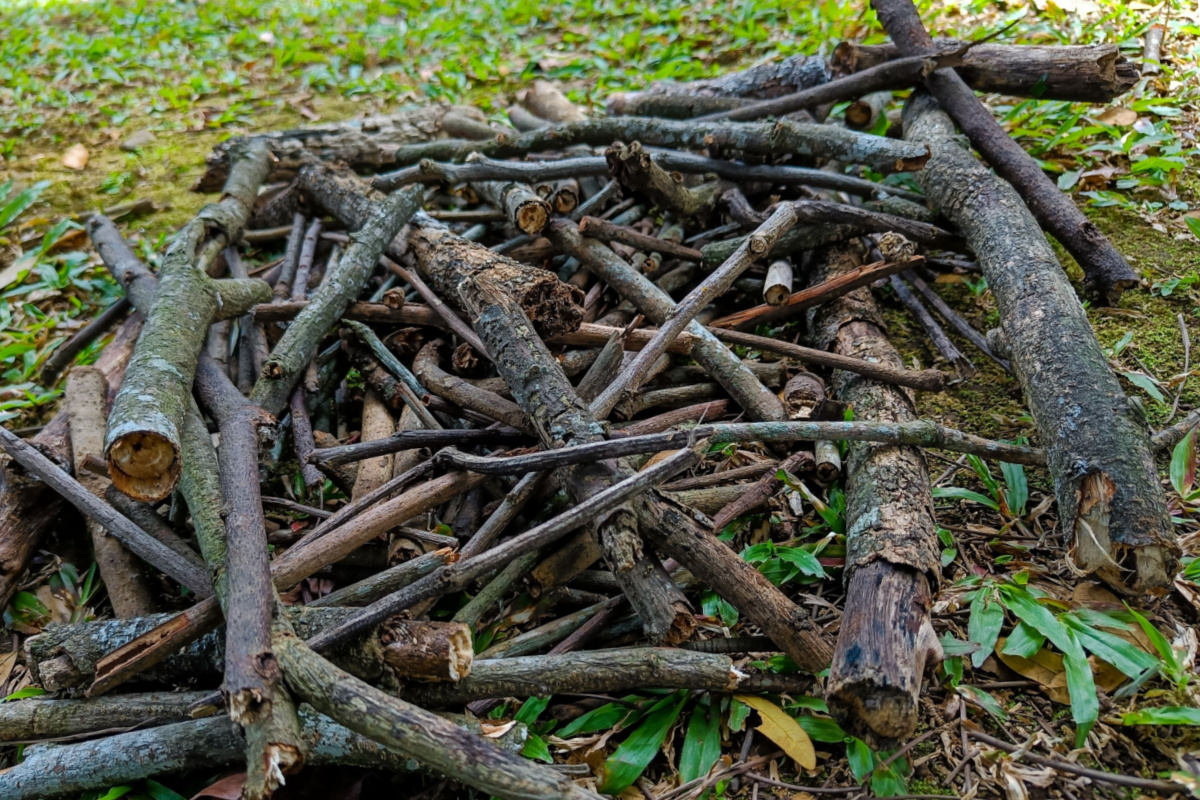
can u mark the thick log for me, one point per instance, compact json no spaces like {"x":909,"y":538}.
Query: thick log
{"x":46,"y":719}
{"x":556,"y":414}
{"x":368,"y":142}
{"x":1104,"y":268}
{"x":124,"y":577}
{"x":1081,"y":73}
{"x":208,"y":744}
{"x":1096,"y":439}
{"x":886,"y":636}
{"x":754,"y":138}
{"x":142,"y":442}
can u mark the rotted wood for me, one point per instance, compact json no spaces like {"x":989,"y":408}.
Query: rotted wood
{"x":556,"y":414}
{"x":1105,"y":269}
{"x":1080,"y":73}
{"x":142,"y":443}
{"x":886,"y":637}
{"x":1096,"y":438}
{"x":632,"y":166}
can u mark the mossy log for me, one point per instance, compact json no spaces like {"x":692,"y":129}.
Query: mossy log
{"x":1096,"y":438}
{"x":142,"y":443}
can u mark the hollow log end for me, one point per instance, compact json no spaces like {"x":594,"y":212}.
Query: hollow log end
{"x":555,"y":308}
{"x":915,"y":163}
{"x":532,"y":216}
{"x":144,"y":465}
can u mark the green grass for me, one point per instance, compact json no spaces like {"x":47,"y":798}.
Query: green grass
{"x":196,"y":72}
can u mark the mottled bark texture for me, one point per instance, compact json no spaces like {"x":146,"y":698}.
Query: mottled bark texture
{"x":45,"y":718}
{"x":771,"y":79}
{"x":123,"y":575}
{"x":363,"y":143}
{"x":1081,"y":73}
{"x":753,"y":138}
{"x":68,"y":656}
{"x":886,"y":636}
{"x":429,"y":651}
{"x":522,"y":207}
{"x":560,"y":419}
{"x":596,"y":672}
{"x":1104,"y":268}
{"x":207,"y":744}
{"x":142,"y":442}
{"x":411,"y":731}
{"x":339,"y":289}
{"x":725,"y":367}
{"x":632,"y":166}
{"x":1096,"y":438}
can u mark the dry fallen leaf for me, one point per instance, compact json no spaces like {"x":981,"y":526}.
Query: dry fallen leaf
{"x":7,"y":662}
{"x":76,"y":157}
{"x":782,"y":729}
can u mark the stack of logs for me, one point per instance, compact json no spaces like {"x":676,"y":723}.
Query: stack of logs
{"x":546,"y":325}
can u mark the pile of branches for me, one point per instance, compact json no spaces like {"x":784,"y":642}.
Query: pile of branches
{"x":546,"y":327}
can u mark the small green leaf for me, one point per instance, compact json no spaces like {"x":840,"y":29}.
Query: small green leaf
{"x":1183,"y":463}
{"x":21,"y":694}
{"x":1116,"y":651}
{"x":803,"y":559}
{"x":713,"y":605}
{"x":634,"y":754}
{"x":1024,"y":641}
{"x":603,"y":718}
{"x":160,"y":792}
{"x":1165,"y":651}
{"x":1146,"y":384}
{"x":738,"y":711}
{"x":889,"y":781}
{"x":1018,"y":487}
{"x":1081,"y":685}
{"x":1168,"y":715}
{"x":702,"y":742}
{"x":821,"y":729}
{"x":987,"y":617}
{"x":952,"y":646}
{"x":861,"y":759}
{"x":1193,"y":224}
{"x":959,"y":493}
{"x":984,"y":700}
{"x":531,"y":709}
{"x":535,"y":747}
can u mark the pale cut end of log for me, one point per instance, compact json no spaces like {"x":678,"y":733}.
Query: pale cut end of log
{"x":875,"y":683}
{"x":144,"y":465}
{"x":429,"y":651}
{"x":802,"y":394}
{"x":1129,"y":570}
{"x":532,"y":216}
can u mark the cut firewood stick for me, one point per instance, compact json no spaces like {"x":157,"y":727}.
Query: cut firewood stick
{"x":607,"y":231}
{"x":1081,"y":73}
{"x":778,"y":286}
{"x":864,"y":113}
{"x":1105,"y":269}
{"x":600,"y":672}
{"x":1152,"y":51}
{"x":758,"y":493}
{"x":682,"y":315}
{"x":142,"y":442}
{"x":124,"y":577}
{"x":304,"y":263}
{"x":429,"y":651}
{"x":522,"y":207}
{"x":632,"y":166}
{"x":657,"y":305}
{"x":915,"y":433}
{"x":756,"y":138}
{"x":1097,"y":441}
{"x":815,"y":295}
{"x":140,"y":543}
{"x":886,"y":636}
{"x":456,"y":390}
{"x":390,"y":580}
{"x":338,"y":290}
{"x":377,"y":423}
{"x":62,"y":719}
